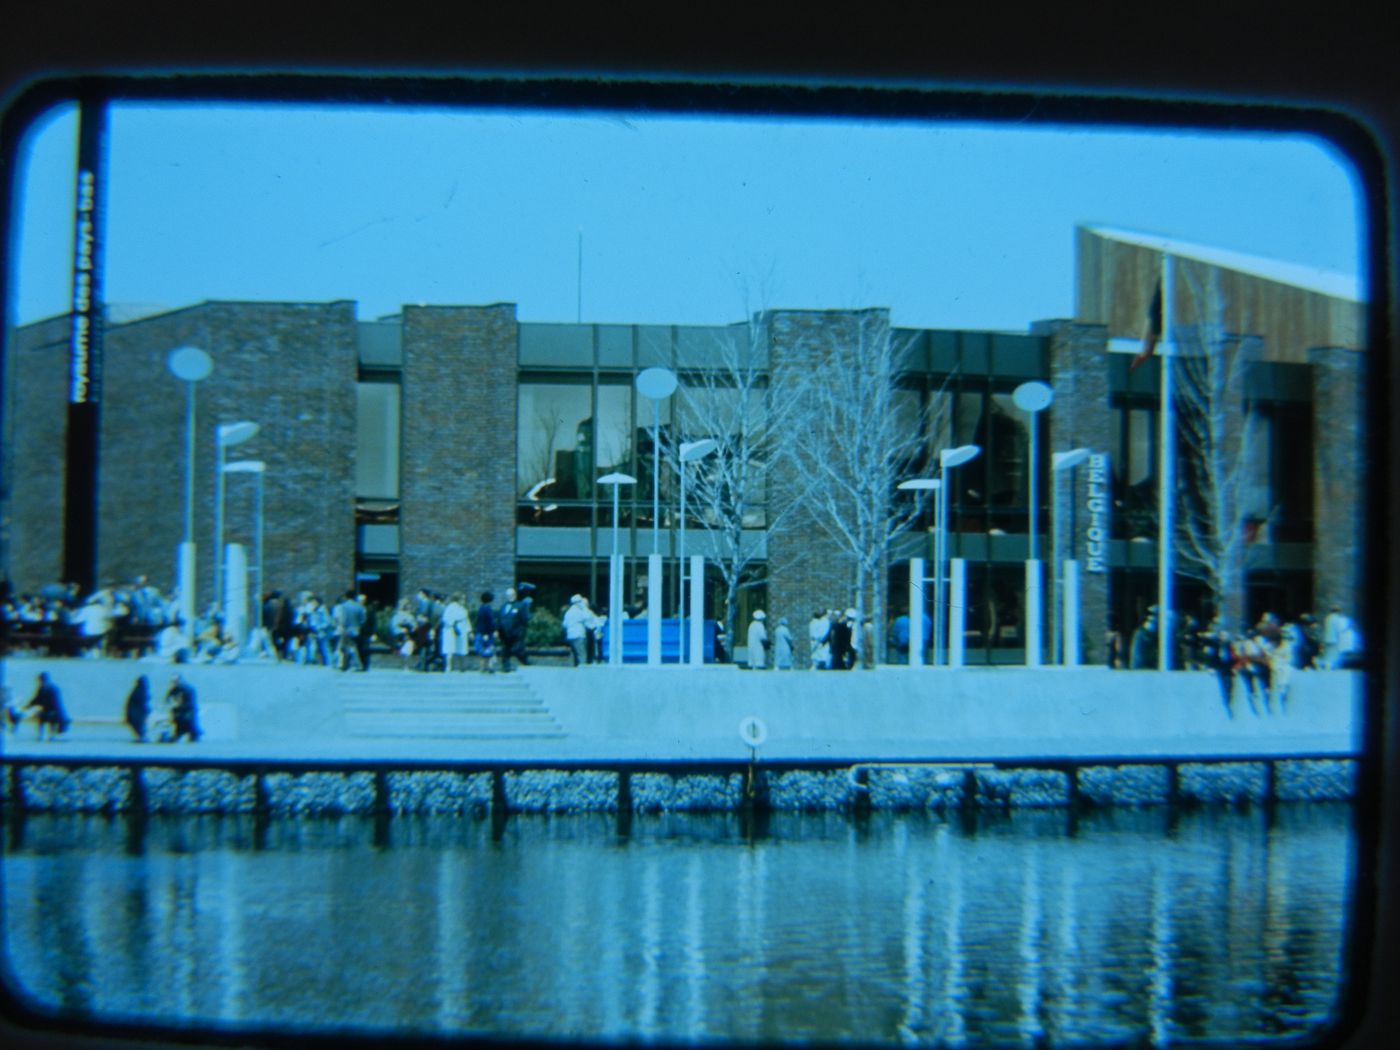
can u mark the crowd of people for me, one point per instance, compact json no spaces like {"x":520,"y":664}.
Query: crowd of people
{"x":439,"y":632}
{"x":115,"y":619}
{"x":1261,"y":658}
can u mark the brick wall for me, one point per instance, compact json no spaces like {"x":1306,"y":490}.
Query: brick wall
{"x":1339,"y":479}
{"x":1079,"y":418}
{"x":288,"y":367}
{"x":459,"y":444}
{"x":36,"y":407}
{"x":807,"y":568}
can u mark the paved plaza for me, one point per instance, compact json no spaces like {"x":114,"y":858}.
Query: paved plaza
{"x":287,"y":715}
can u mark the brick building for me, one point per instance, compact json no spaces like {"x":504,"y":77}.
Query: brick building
{"x":458,"y":447}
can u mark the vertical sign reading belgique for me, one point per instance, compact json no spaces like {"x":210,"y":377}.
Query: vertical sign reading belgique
{"x":1097,"y":533}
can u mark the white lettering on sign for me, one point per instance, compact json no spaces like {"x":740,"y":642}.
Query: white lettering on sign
{"x":82,"y":291}
{"x":1097,"y":532}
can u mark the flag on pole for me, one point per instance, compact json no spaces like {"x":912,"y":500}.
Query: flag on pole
{"x":1152,"y":329}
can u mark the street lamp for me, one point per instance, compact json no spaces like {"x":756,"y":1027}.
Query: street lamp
{"x":655,"y":384}
{"x":917,"y":599}
{"x":226,"y":435}
{"x":190,"y":364}
{"x":257,"y":468}
{"x":947,"y":460}
{"x":1033,"y":398}
{"x":616,"y":480}
{"x":690,"y":451}
{"x":1062,"y":642}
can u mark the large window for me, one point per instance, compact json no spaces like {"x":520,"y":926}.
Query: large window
{"x":555,"y":456}
{"x":377,"y":441}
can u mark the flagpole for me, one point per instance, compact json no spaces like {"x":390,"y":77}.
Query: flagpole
{"x":1166,"y":504}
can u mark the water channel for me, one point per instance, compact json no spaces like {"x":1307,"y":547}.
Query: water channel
{"x":1033,"y":927}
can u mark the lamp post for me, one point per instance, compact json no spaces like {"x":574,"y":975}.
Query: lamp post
{"x":1061,"y":643}
{"x":918,"y":601}
{"x":1033,"y":398}
{"x":226,"y":435}
{"x":947,"y":460}
{"x":690,"y":451}
{"x":655,"y":384}
{"x":615,"y":572}
{"x":257,"y":468}
{"x":190,"y":364}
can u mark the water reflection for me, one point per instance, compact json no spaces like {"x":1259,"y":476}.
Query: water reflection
{"x":1138,"y":926}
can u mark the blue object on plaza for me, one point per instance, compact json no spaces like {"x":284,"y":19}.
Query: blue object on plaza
{"x":634,"y":641}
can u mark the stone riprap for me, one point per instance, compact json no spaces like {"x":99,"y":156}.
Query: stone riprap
{"x":915,"y":787}
{"x":559,"y":791}
{"x":108,"y":788}
{"x":1315,"y":780}
{"x":1227,"y":782}
{"x":198,"y":790}
{"x":82,"y":790}
{"x":1124,"y":785}
{"x":439,"y":791}
{"x":687,"y":793}
{"x":296,"y":793}
{"x":1021,"y":788}
{"x":809,"y":790}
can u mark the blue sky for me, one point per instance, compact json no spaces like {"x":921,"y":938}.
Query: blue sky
{"x":683,"y":221}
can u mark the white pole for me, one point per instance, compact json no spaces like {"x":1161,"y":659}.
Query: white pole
{"x":958,"y":609}
{"x":219,"y":523}
{"x":1055,"y":603}
{"x":681,"y":636}
{"x":1071,"y":612}
{"x":615,"y":593}
{"x":258,"y":541}
{"x":916,"y":612}
{"x":1033,"y":631}
{"x":654,"y":610}
{"x":697,"y":610}
{"x":187,"y":548}
{"x":1166,"y":493}
{"x":940,"y":617}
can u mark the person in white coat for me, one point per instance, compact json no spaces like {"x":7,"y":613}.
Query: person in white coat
{"x":782,"y":645}
{"x":758,"y":642}
{"x":578,"y":618}
{"x":455,"y":633}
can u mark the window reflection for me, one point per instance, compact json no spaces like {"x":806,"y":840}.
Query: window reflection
{"x":555,"y":443}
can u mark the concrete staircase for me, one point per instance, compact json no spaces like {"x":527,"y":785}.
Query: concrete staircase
{"x":457,"y":706}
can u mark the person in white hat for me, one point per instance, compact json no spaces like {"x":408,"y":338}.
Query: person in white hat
{"x":758,"y":642}
{"x":576,"y":619}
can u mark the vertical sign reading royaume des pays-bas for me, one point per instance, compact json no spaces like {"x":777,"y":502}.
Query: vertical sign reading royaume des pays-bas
{"x":85,"y":352}
{"x":1097,"y":532}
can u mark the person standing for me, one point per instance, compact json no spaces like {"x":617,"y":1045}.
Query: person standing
{"x":782,"y":645}
{"x":1218,"y":655}
{"x":576,"y":618}
{"x":511,"y":624}
{"x":366,"y":632}
{"x":1333,"y":628}
{"x":818,"y":631}
{"x":138,"y":707}
{"x":49,"y":703}
{"x":484,"y":632}
{"x":757,"y":641}
{"x":349,"y":616}
{"x":455,"y":632}
{"x":842,"y":651}
{"x":184,"y":712}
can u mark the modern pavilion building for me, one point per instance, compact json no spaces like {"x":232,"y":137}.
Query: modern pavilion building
{"x":457,"y":447}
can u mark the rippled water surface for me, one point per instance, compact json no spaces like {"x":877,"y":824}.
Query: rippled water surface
{"x":1033,"y":927}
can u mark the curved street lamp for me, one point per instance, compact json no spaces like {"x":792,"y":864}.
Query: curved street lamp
{"x":616,"y":480}
{"x":190,"y":364}
{"x":226,"y":435}
{"x":948,"y":459}
{"x":689,"y":452}
{"x":257,"y":468}
{"x":1062,"y":643}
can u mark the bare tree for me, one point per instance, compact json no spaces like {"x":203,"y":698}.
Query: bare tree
{"x":733,"y":492}
{"x":864,"y":440}
{"x":1218,"y":448}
